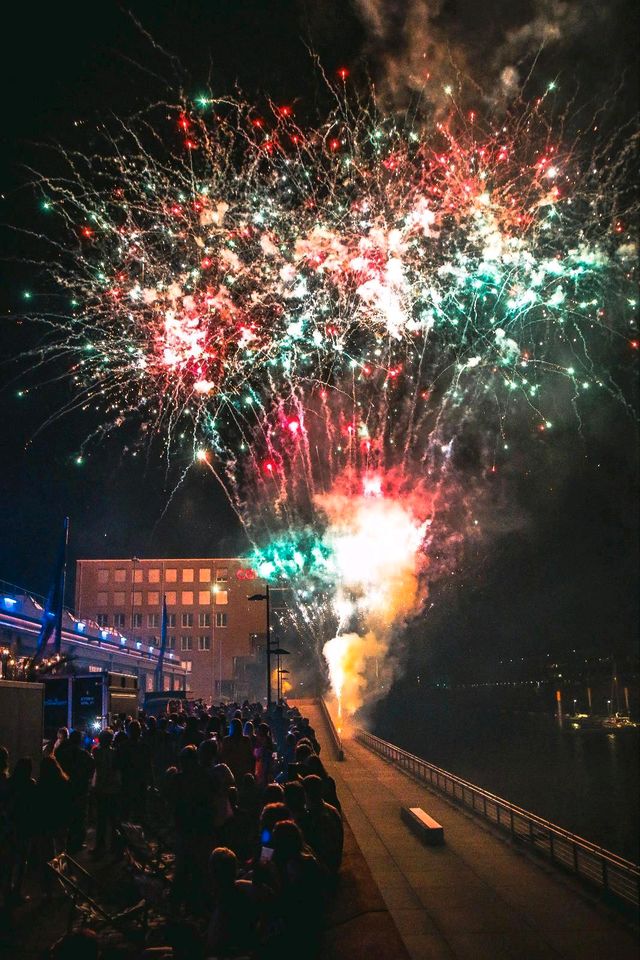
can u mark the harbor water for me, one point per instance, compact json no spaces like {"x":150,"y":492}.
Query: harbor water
{"x":584,"y":780}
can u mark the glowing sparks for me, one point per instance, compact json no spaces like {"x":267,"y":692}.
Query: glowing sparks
{"x":322,"y":315}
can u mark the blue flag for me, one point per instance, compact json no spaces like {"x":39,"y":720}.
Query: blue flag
{"x":163,"y":643}
{"x":54,"y":604}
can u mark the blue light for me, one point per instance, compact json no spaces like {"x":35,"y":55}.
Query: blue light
{"x":104,"y":634}
{"x":123,"y":640}
{"x":138,"y":644}
{"x":10,"y":601}
{"x":80,"y":627}
{"x":150,"y":649}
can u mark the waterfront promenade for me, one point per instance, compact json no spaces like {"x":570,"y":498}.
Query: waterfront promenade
{"x":478,"y":897}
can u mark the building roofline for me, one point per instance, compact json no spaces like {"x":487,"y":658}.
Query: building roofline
{"x":163,"y":560}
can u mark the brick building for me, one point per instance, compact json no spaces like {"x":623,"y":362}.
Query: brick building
{"x":217,"y":633}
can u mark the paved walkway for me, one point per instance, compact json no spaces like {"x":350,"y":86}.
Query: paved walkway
{"x":475,"y":898}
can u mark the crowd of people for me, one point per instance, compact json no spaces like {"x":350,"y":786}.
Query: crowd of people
{"x":253,"y":820}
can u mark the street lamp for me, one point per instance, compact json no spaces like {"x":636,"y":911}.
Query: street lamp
{"x":279,"y":652}
{"x":281,"y":674}
{"x":265,"y":596}
{"x":134,"y":560}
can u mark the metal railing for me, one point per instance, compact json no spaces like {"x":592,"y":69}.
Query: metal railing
{"x":589,"y":862}
{"x":335,"y":736}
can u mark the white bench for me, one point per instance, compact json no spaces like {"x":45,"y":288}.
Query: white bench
{"x":424,"y":826}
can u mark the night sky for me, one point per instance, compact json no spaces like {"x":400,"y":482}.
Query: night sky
{"x":559,"y":569}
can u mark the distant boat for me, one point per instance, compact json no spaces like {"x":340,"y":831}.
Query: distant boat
{"x":618,"y":721}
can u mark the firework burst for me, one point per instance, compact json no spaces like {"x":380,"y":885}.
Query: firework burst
{"x":327,"y":310}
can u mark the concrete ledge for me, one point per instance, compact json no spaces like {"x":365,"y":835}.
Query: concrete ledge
{"x":425,"y":827}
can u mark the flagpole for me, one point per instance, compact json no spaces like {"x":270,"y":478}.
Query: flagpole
{"x":63,"y":578}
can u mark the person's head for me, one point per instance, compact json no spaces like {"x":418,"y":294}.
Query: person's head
{"x":248,"y":784}
{"x":303,"y":752}
{"x":313,"y":790}
{"x":81,"y":945}
{"x":63,"y":734}
{"x":75,"y":738}
{"x":188,"y":758}
{"x":223,"y":869}
{"x":134,"y":730}
{"x":4,"y":762}
{"x":207,"y":753}
{"x":237,"y":715}
{"x":286,"y":841}
{"x":272,"y":814}
{"x":295,"y":798}
{"x":235,"y":727}
{"x":264,"y":733}
{"x":152,"y":724}
{"x":51,"y":772}
{"x":119,"y":739}
{"x":105,"y":737}
{"x":273,"y":793}
{"x":314,"y":765}
{"x":248,"y":729}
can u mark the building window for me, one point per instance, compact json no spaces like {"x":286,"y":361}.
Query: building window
{"x":118,"y":620}
{"x":187,"y":575}
{"x":204,"y":596}
{"x":136,"y":598}
{"x":187,"y":620}
{"x":137,"y":575}
{"x":204,"y":619}
{"x":120,"y":576}
{"x":171,"y":642}
{"x":103,"y":576}
{"x":102,"y":598}
{"x":204,"y":574}
{"x":171,"y":619}
{"x":186,"y":643}
{"x":153,"y":598}
{"x":153,"y":620}
{"x":118,"y":599}
{"x":136,"y":620}
{"x":172,"y":598}
{"x":222,"y":597}
{"x":222,"y":575}
{"x":154,"y":575}
{"x":102,"y":620}
{"x":221,"y":619}
{"x":204,"y":642}
{"x":187,"y":597}
{"x":171,"y":575}
{"x":186,"y":665}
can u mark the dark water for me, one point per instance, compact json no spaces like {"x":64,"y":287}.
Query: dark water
{"x":585,"y":781}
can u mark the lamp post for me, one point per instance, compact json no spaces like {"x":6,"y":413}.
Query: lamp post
{"x":281,"y":674}
{"x":214,"y":591}
{"x":134,"y":560}
{"x":279,"y":652}
{"x":265,"y":596}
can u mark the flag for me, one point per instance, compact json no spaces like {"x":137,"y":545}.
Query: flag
{"x":163,"y":643}
{"x":54,"y":604}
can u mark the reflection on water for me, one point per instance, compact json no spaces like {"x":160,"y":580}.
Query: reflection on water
{"x":586,"y":781}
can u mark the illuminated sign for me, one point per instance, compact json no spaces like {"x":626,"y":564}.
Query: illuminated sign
{"x":245,"y":573}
